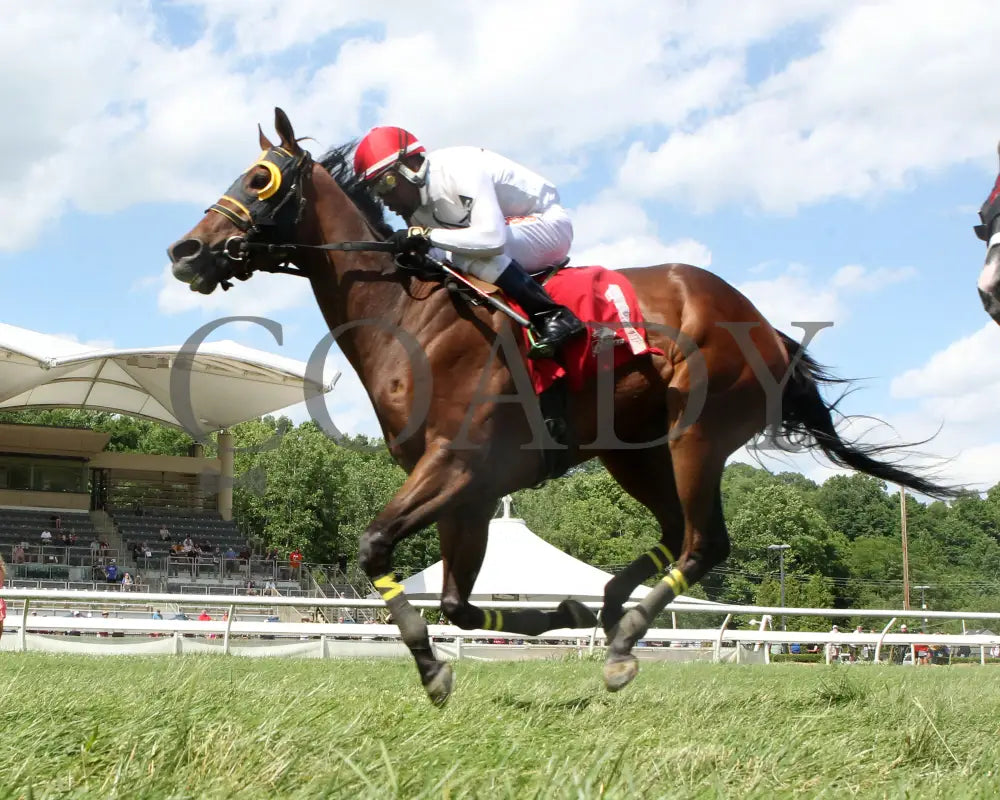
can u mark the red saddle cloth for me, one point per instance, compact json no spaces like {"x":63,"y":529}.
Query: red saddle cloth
{"x":595,"y":295}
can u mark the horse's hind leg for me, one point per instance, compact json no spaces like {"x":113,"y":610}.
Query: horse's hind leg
{"x":463,"y":537}
{"x":647,"y":475}
{"x":697,"y":471}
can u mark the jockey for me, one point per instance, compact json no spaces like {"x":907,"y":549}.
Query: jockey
{"x":496,"y":219}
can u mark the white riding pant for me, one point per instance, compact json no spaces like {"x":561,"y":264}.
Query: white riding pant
{"x":534,"y":241}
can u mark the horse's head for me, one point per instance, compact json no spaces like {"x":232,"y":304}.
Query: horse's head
{"x":989,"y":232}
{"x":262,"y":208}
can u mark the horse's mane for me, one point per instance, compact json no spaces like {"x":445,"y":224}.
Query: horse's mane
{"x":338,"y":162}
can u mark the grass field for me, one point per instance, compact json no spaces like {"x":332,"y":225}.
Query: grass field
{"x":211,"y":726}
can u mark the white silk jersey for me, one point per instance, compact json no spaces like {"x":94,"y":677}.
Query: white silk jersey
{"x":470,"y":196}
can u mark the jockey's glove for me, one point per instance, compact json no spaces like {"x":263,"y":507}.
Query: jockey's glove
{"x":413,"y":240}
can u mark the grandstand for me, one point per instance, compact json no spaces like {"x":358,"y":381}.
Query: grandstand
{"x":166,"y":520}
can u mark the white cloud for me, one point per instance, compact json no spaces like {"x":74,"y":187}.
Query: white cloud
{"x":644,"y":251}
{"x":963,"y":367}
{"x":798,"y":294}
{"x":138,"y":118}
{"x":263,"y":294}
{"x":614,"y":232}
{"x":893,"y":89}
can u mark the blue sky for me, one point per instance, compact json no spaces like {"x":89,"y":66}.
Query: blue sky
{"x":827,"y":158}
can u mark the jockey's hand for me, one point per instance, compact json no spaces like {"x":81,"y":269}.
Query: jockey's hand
{"x":414,"y":240}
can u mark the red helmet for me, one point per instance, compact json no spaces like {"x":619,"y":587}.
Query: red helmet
{"x":381,"y":148}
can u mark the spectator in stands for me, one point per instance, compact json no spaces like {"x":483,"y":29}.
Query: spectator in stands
{"x":46,"y":536}
{"x":137,"y":508}
{"x":127,"y":582}
{"x":269,"y":587}
{"x":295,"y":559}
{"x":72,"y":537}
{"x":164,"y":533}
{"x":57,"y":521}
{"x":64,"y":539}
{"x":95,"y":549}
{"x":103,"y":634}
{"x":111,"y":572}
{"x":230,"y":554}
{"x":188,"y":546}
{"x":146,"y":552}
{"x":17,"y":554}
{"x":156,"y":615}
{"x":204,"y":616}
{"x":251,"y":587}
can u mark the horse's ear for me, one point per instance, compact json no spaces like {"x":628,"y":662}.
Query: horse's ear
{"x":284,"y":129}
{"x":265,"y":143}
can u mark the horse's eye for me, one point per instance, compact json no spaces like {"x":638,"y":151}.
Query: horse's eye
{"x":260,"y":178}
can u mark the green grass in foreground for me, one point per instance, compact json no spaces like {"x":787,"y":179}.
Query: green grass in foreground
{"x":211,"y":726}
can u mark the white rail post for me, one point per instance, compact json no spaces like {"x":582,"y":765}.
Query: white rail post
{"x":593,"y":638}
{"x":229,"y":624}
{"x":22,"y":635}
{"x":878,"y":645}
{"x":717,"y":650}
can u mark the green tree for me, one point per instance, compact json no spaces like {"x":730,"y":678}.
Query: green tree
{"x":857,"y":505}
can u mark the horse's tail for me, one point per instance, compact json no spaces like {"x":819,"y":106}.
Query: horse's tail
{"x":807,"y":421}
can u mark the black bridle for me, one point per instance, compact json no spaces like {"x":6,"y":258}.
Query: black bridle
{"x":269,"y":216}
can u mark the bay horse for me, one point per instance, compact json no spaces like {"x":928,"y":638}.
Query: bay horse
{"x":423,"y":352}
{"x":989,"y":232}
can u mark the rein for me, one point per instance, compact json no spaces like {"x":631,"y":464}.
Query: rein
{"x":458,"y":282}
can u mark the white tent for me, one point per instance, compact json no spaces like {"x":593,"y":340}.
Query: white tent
{"x":226,"y":382}
{"x":521,"y":566}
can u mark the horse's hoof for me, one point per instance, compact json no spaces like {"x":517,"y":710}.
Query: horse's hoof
{"x":620,"y":673}
{"x":582,"y":616}
{"x":439,"y":687}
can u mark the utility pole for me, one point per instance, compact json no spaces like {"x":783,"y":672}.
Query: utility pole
{"x":923,"y":605}
{"x":906,"y":551}
{"x":781,"y":548}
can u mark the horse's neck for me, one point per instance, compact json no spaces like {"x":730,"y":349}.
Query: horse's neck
{"x":353,"y":286}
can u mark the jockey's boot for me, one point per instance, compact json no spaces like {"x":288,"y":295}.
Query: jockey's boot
{"x":553,"y":324}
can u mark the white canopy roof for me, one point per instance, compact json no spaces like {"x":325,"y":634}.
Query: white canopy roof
{"x":518,"y":562}
{"x":229,"y":383}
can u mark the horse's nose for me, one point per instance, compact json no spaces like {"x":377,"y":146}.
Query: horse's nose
{"x":184,"y":250}
{"x":186,"y":257}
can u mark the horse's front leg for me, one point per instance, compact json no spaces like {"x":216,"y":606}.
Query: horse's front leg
{"x":430,"y":490}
